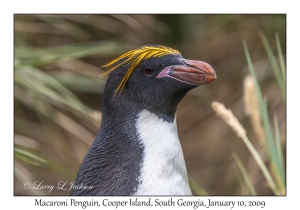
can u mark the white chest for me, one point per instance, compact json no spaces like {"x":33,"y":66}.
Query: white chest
{"x":163,"y":169}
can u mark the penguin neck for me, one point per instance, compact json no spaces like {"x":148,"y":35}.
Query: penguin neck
{"x":159,"y":161}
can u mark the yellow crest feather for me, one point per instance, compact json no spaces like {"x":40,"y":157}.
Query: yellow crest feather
{"x":134,"y":58}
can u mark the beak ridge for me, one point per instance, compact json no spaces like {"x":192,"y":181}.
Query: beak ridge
{"x":194,"y":72}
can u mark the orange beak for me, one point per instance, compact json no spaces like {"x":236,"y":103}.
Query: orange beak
{"x":192,"y":72}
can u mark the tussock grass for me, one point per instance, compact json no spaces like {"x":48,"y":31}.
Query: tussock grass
{"x":231,"y":120}
{"x":43,"y":92}
{"x":256,"y":109}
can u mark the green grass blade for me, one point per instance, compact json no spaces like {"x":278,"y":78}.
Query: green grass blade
{"x":50,"y":81}
{"x":281,"y":60}
{"x":112,"y":46}
{"x":42,"y":91}
{"x":277,"y":138}
{"x":40,"y":57}
{"x":265,"y":118}
{"x":28,"y":157}
{"x":273,"y":62}
{"x":195,"y":188}
{"x":279,"y":149}
{"x":245,"y":174}
{"x":81,"y":83}
{"x":66,"y":26}
{"x":262,"y":166}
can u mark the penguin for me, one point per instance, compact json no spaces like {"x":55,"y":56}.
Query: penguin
{"x":137,"y":150}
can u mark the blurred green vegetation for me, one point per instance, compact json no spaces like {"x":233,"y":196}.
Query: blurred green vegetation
{"x":57,"y":103}
{"x":272,"y":143}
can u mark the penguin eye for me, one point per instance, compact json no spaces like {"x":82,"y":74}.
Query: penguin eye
{"x":149,"y":71}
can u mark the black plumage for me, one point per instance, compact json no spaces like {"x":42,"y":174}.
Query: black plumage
{"x":112,"y":165}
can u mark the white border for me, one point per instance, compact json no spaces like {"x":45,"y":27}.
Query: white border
{"x":8,"y":8}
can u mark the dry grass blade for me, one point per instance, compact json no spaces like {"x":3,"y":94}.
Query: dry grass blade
{"x":252,"y":109}
{"x":73,"y":127}
{"x":229,"y":118}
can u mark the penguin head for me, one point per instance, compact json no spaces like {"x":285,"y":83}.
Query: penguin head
{"x":155,"y":78}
